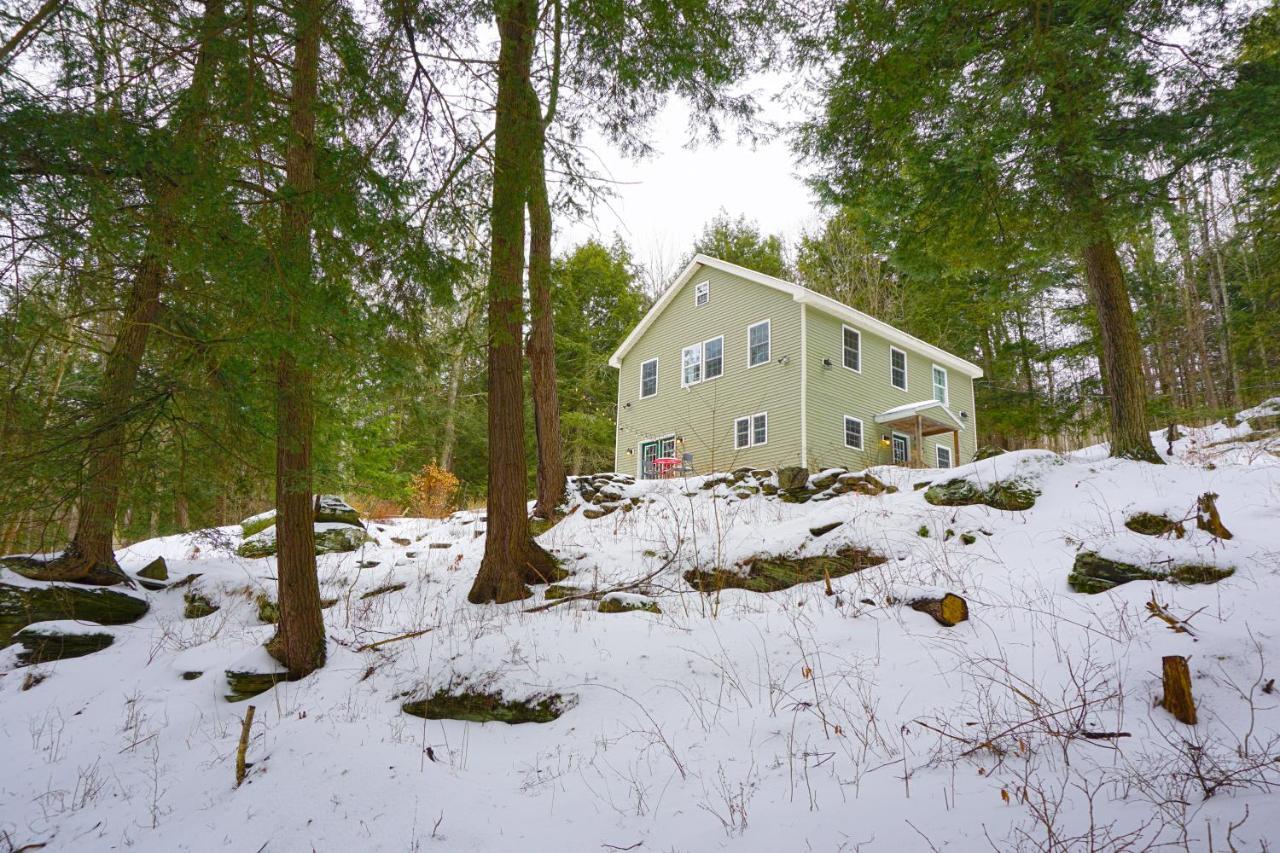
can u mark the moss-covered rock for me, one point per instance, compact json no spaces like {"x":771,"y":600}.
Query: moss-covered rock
{"x":628,"y":604}
{"x":796,"y":496}
{"x":770,"y":574}
{"x":826,"y":480}
{"x":268,"y":610}
{"x":556,"y":591}
{"x":156,"y":570}
{"x":793,"y":477}
{"x":987,"y":451}
{"x":1006,"y":494}
{"x":246,"y":685}
{"x":42,"y":645}
{"x":25,"y":605}
{"x":968,"y":538}
{"x":332,"y":509}
{"x":331,"y":538}
{"x":1150,"y":524}
{"x":197,"y":605}
{"x":863,"y":484}
{"x":478,"y":707}
{"x":1093,"y":573}
{"x":257,"y":523}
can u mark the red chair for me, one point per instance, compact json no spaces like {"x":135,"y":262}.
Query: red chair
{"x":664,"y":465}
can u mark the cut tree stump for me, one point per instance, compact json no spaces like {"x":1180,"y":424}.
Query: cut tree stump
{"x":1207,"y":517}
{"x":950,"y":610}
{"x":1177,"y":690}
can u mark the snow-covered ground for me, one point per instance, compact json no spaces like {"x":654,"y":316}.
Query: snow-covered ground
{"x":788,"y":721}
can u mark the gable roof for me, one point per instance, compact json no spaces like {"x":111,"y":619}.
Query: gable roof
{"x":942,"y":415}
{"x":804,"y":296}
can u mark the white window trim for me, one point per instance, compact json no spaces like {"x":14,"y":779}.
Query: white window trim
{"x":764,"y":415}
{"x":938,"y":450}
{"x":768,"y":325}
{"x":862,"y":433}
{"x":706,"y":378}
{"x":946,"y":383}
{"x":656,"y":376}
{"x":684,"y":350}
{"x":902,"y":435}
{"x":843,"y":328}
{"x":905,"y":372}
{"x":736,"y":445}
{"x":700,"y":288}
{"x":640,"y":450}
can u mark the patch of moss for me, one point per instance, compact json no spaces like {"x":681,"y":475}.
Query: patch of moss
{"x":477,"y":707}
{"x":198,"y":606}
{"x":43,"y":646}
{"x":537,"y":526}
{"x":556,"y":591}
{"x":268,"y":610}
{"x":770,"y":574}
{"x":923,"y":532}
{"x":1011,"y":495}
{"x":1150,"y":524}
{"x":968,"y":538}
{"x":257,"y":523}
{"x":1092,"y":573}
{"x":627,"y":605}
{"x":25,"y":605}
{"x":246,"y":685}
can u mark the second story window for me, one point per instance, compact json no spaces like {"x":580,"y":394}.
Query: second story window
{"x":691,"y":365}
{"x":898,"y":368}
{"x":713,"y":358}
{"x":852,"y":344}
{"x":701,"y":293}
{"x":940,"y":386}
{"x":649,"y":378}
{"x":758,"y":344}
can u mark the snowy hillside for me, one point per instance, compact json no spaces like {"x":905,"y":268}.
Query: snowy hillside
{"x":731,"y":719}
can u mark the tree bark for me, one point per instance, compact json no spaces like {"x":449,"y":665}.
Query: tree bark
{"x":90,"y":558}
{"x":510,"y":556}
{"x":299,"y":642}
{"x":542,"y":348}
{"x":1193,"y":316}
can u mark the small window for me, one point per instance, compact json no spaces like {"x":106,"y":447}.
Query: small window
{"x":898,"y":368}
{"x":940,"y":384}
{"x":944,"y":456}
{"x":852,"y":349}
{"x":701,"y":293}
{"x":713,"y":358}
{"x":741,"y":433}
{"x":758,"y":344}
{"x":852,"y":433}
{"x":691,"y":365}
{"x":649,"y":378}
{"x":759,"y":428}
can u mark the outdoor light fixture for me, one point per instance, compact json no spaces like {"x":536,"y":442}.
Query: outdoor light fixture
{"x":626,"y":405}
{"x":826,"y":362}
{"x":884,"y":439}
{"x":964,"y":416}
{"x":630,"y":452}
{"x":786,"y":359}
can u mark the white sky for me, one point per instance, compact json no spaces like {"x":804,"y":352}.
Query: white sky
{"x":662,"y":202}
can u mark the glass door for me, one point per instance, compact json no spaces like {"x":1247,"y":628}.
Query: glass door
{"x":901,"y":449}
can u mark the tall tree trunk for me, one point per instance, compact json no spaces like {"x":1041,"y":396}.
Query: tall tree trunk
{"x":299,"y":642}
{"x":1121,"y":354}
{"x":510,"y":556}
{"x":90,"y":558}
{"x":1192,"y":315}
{"x":1218,"y":285}
{"x":449,"y":431}
{"x":542,"y":349}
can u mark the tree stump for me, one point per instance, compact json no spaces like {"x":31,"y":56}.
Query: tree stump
{"x":1207,"y":517}
{"x":950,"y":610}
{"x":1177,"y":690}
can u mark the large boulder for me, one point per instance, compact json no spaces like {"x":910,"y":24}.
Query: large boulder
{"x":46,"y":643}
{"x":793,"y":477}
{"x":1013,"y":495}
{"x":331,"y":538}
{"x":257,"y":523}
{"x":333,"y":509}
{"x":25,"y":605}
{"x":1092,"y":573}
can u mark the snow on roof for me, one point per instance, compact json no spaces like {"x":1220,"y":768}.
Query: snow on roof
{"x":910,"y":409}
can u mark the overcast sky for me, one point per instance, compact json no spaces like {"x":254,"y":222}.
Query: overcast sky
{"x":662,"y":202}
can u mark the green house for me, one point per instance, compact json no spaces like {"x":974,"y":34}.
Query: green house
{"x":734,"y":368}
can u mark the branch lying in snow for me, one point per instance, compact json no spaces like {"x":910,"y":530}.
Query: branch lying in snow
{"x":600,"y":593}
{"x":409,"y":636}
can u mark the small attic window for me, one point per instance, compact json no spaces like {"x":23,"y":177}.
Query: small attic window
{"x":701,"y":293}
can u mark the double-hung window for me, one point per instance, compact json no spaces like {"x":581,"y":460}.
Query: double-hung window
{"x":691,"y":365}
{"x":701,"y":362}
{"x":751,"y":431}
{"x":897,"y":368}
{"x":649,"y":378}
{"x":701,"y":293}
{"x":852,"y":344}
{"x":944,"y":456}
{"x":852,"y":432}
{"x":940,"y":385}
{"x":758,"y":344}
{"x":713,"y":358}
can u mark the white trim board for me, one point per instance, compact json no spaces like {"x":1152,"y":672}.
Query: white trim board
{"x":805,"y":297}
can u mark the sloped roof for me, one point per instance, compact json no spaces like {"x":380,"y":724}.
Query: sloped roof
{"x":804,"y":296}
{"x":935,"y":410}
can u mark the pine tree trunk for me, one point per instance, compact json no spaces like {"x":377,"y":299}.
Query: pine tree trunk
{"x":299,"y":642}
{"x":90,"y":558}
{"x":510,"y":555}
{"x":1121,"y":355}
{"x":542,"y":350}
{"x":1192,"y":316}
{"x":1218,"y":287}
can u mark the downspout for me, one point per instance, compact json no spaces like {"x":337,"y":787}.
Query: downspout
{"x":804,"y":384}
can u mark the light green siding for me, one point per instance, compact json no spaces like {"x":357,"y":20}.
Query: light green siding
{"x":704,"y":414}
{"x":836,"y":391}
{"x":806,"y":401}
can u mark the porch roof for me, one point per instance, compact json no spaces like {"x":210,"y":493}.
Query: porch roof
{"x":935,"y":418}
